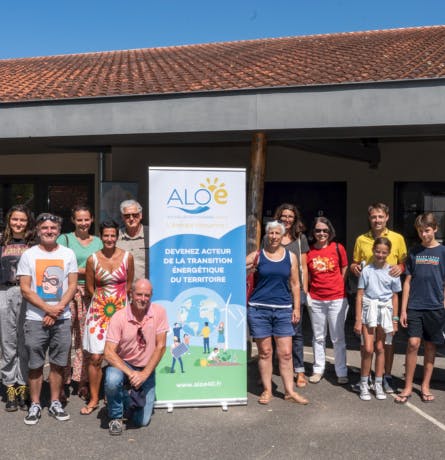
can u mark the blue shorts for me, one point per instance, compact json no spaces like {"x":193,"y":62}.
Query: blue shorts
{"x":270,"y":322}
{"x":427,"y":324}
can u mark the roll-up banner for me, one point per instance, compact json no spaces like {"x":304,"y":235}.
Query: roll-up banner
{"x":197,"y":267}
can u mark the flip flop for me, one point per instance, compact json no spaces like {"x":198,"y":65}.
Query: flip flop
{"x":427,"y":397}
{"x":296,"y":398}
{"x":402,"y":399}
{"x":265,"y":397}
{"x":87,"y":410}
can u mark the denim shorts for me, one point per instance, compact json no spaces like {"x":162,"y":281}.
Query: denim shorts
{"x":40,"y":339}
{"x":427,"y":324}
{"x":270,"y":322}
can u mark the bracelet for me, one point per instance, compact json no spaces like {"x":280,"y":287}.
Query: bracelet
{"x":395,"y":319}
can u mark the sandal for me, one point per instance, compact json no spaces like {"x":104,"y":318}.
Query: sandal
{"x":427,"y":397}
{"x":296,"y":398}
{"x":402,"y":399}
{"x":265,"y":397}
{"x":87,"y":410}
{"x":301,"y":381}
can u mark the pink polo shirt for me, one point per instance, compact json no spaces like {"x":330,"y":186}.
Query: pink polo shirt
{"x":123,"y":328}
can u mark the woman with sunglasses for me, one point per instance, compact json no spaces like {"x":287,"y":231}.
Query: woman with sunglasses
{"x":83,"y":244}
{"x":327,"y":264}
{"x":19,"y":235}
{"x":295,"y":241}
{"x":272,"y":308}
{"x":109,"y":275}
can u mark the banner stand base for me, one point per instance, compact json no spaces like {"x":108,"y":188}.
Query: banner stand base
{"x":223,"y":404}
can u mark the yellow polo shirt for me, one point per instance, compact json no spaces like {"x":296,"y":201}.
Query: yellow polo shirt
{"x":364,"y":243}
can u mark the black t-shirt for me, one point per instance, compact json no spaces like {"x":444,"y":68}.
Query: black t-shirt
{"x":427,"y":268}
{"x":9,"y":259}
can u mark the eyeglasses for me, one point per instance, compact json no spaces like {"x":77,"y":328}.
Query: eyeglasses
{"x":287,"y":217}
{"x":50,"y":217}
{"x":141,"y":339}
{"x":134,"y":215}
{"x":321,"y":230}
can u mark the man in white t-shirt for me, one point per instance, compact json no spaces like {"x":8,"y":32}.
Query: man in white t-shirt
{"x":48,"y":281}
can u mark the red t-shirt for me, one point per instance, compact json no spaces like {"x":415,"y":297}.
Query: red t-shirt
{"x":325,"y":272}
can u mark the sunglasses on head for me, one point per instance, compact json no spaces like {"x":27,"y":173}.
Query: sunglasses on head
{"x":140,"y":338}
{"x":50,"y":217}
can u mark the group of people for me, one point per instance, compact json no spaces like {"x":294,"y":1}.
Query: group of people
{"x":59,"y":291}
{"x":290,"y":273}
{"x":64,"y":293}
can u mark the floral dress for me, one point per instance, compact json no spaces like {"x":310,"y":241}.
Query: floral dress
{"x":110,"y":295}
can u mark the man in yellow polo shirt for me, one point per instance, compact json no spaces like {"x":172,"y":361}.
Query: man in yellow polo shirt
{"x":378,"y":215}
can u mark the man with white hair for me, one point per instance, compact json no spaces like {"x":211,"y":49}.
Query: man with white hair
{"x":48,"y":281}
{"x":133,"y":237}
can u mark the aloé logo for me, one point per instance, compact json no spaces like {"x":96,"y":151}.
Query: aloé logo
{"x":198,"y":200}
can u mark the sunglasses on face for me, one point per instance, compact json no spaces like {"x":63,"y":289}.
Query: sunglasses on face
{"x":134,"y":215}
{"x":321,"y":230}
{"x":141,"y":339}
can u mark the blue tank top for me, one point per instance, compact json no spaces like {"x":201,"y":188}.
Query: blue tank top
{"x":272,"y":288}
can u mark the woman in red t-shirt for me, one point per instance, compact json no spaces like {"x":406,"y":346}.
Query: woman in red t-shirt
{"x":327,"y":263}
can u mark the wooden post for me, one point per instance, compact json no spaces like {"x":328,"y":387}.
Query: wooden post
{"x":256,"y":191}
{"x":255,"y":194}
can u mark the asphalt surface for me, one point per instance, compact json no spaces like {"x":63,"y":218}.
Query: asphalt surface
{"x":335,"y":425}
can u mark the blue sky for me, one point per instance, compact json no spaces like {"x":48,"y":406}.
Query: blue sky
{"x":48,"y":27}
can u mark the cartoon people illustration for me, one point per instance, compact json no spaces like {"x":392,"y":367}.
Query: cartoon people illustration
{"x":176,"y":355}
{"x":221,"y":336}
{"x":186,"y":340}
{"x":177,"y":331}
{"x":205,"y":333}
{"x":52,"y":283}
{"x":214,"y":356}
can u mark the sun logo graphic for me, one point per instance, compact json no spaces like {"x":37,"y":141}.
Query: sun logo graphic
{"x":199,"y":200}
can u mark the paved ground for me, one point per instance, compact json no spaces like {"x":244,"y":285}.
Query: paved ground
{"x":336,"y":425}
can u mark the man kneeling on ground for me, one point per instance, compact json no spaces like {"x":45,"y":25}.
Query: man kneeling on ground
{"x":136,"y":342}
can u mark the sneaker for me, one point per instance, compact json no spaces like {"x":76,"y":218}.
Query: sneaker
{"x":388,"y":384}
{"x":378,"y":390}
{"x":11,"y":399}
{"x":365,"y":395}
{"x":22,"y":394}
{"x":315,"y":378}
{"x":115,"y":427}
{"x":56,"y":410}
{"x":355,"y":387}
{"x":34,"y":414}
{"x":343,"y":380}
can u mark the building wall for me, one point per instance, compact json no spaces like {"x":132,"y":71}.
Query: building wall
{"x":400,"y":161}
{"x":52,"y":164}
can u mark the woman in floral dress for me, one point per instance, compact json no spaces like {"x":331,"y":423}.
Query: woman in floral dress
{"x":109,"y":275}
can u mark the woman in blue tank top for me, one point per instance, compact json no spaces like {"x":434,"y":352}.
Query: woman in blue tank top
{"x":272,"y":308}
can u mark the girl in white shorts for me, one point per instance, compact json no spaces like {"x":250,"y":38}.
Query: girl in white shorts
{"x":376,"y":312}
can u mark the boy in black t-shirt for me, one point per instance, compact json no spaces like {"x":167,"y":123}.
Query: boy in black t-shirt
{"x":423,"y":311}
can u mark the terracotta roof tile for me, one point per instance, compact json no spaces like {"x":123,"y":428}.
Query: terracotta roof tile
{"x":373,"y":56}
